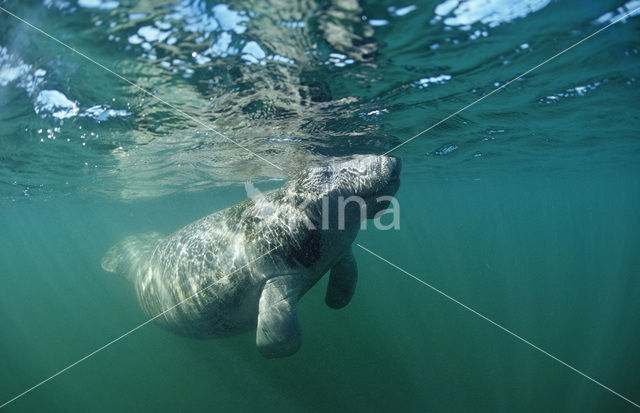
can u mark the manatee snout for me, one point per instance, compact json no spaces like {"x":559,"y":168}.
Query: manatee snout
{"x":395,"y":165}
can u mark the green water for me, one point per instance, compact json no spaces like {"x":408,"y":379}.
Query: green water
{"x":524,"y":208}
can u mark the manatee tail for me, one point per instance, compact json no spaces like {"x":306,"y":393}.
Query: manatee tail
{"x":128,"y":255}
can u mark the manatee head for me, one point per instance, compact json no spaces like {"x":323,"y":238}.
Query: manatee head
{"x":351,"y":185}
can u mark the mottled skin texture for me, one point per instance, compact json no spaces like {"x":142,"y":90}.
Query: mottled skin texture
{"x":206,"y":258}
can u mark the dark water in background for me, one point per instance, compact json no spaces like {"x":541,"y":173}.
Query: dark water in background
{"x":525,"y":207}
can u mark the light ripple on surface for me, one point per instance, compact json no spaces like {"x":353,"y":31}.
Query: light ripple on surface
{"x":292,"y":91}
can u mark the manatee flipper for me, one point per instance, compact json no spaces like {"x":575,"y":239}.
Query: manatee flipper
{"x":278,"y":332}
{"x":342,"y":281}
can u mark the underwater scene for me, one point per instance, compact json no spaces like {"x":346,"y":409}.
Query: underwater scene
{"x":320,"y":205}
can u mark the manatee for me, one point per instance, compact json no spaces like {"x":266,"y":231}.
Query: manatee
{"x":247,"y":266}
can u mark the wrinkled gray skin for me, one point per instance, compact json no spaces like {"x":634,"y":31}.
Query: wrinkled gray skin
{"x":223,"y":250}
